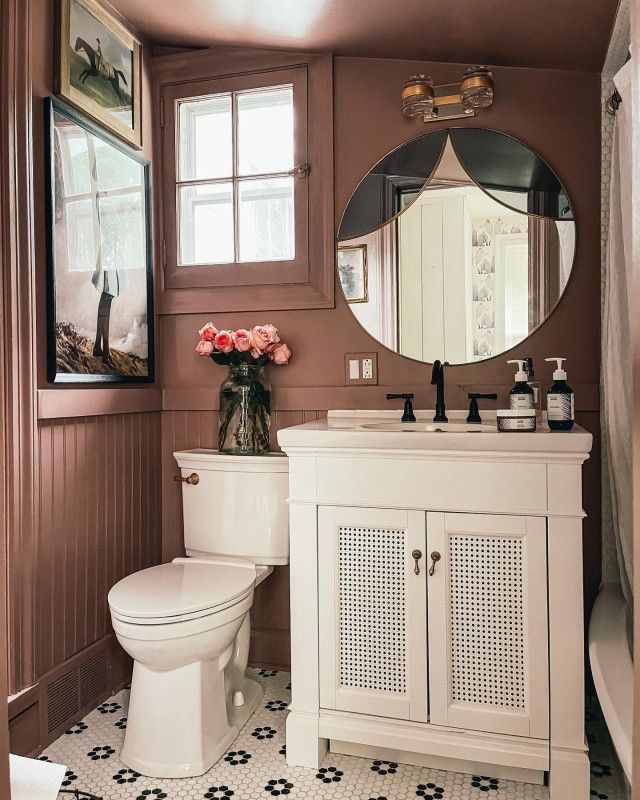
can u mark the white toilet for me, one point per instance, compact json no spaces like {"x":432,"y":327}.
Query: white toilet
{"x":186,"y":624}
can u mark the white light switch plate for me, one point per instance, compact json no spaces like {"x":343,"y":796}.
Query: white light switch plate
{"x":361,"y":369}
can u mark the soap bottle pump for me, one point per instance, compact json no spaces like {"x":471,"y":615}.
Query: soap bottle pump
{"x":522,"y":395}
{"x":560,"y":403}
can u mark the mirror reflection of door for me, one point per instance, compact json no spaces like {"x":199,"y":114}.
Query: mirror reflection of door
{"x":459,"y":273}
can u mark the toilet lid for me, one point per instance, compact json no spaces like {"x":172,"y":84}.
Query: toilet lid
{"x":180,"y":588}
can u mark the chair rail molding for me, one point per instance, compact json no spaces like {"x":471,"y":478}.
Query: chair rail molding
{"x":18,"y":441}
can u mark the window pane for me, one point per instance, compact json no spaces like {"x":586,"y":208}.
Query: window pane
{"x":74,"y":158}
{"x":265,"y":131}
{"x":204,"y":145}
{"x":266,"y":220}
{"x":81,"y":241}
{"x":206,"y":224}
{"x":122,"y":231}
{"x":115,"y":170}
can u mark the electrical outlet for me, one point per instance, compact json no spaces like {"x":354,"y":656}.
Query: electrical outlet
{"x":360,"y":369}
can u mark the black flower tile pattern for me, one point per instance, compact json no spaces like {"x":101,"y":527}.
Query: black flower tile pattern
{"x":599,"y":770}
{"x":79,"y":727}
{"x":126,"y":776}
{"x":69,"y":777}
{"x":264,"y":733}
{"x":218,"y":793}
{"x":267,"y":673}
{"x":254,"y":767}
{"x":109,"y":708}
{"x":485,"y":784}
{"x":278,"y":786}
{"x":430,"y":791}
{"x":384,"y":767}
{"x":276,"y":705}
{"x":101,"y":753}
{"x":329,"y":775}
{"x":235,"y":757}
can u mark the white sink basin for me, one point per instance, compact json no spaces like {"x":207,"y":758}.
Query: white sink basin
{"x":430,"y":427}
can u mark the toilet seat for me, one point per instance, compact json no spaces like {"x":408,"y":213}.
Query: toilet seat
{"x":182,"y":590}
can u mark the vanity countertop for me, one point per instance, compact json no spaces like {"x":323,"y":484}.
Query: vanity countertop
{"x":383,"y":430}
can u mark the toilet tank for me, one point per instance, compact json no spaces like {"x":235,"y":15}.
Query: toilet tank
{"x":237,"y":507}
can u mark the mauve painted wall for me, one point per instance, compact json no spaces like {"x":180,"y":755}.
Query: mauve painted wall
{"x":98,"y":475}
{"x":557,"y":114}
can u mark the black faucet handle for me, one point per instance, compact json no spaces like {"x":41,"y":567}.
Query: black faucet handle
{"x":474,"y":413}
{"x":407,"y":414}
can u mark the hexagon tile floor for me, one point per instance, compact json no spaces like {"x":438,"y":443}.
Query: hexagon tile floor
{"x":255,"y":767}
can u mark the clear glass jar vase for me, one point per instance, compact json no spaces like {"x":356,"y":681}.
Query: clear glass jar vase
{"x":245,"y":412}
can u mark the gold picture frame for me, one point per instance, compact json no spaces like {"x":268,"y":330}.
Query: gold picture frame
{"x":100,"y":67}
{"x":352,"y":272}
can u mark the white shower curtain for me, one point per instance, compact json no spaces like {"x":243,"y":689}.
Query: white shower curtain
{"x":616,"y":376}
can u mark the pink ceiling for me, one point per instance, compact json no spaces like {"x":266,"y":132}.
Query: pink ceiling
{"x":558,"y":34}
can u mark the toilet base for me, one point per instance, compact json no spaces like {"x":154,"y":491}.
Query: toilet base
{"x":180,"y":722}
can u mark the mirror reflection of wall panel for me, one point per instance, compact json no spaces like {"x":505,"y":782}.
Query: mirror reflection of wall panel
{"x":470,"y":261}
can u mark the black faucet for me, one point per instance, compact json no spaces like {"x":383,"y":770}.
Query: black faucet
{"x":437,"y":380}
{"x":407,"y":415}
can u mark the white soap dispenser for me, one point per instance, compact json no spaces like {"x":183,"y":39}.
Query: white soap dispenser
{"x":522,"y":395}
{"x":560,"y":402}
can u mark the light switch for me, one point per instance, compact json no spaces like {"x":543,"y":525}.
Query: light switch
{"x":361,"y":369}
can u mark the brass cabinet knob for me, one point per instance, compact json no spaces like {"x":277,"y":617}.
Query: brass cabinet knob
{"x":192,"y":480}
{"x":435,"y":557}
{"x":416,"y":556}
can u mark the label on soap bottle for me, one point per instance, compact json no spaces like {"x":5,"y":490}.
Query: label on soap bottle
{"x":560,"y":407}
{"x":521,"y":401}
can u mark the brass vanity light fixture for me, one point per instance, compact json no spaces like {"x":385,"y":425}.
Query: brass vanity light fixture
{"x":422,"y":100}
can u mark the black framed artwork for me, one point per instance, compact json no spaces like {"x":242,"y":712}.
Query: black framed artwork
{"x":99,"y":271}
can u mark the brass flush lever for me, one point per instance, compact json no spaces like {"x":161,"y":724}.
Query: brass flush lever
{"x":192,"y":480}
{"x":435,"y":557}
{"x":416,"y":556}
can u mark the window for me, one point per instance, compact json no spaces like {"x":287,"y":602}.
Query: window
{"x":236,"y":183}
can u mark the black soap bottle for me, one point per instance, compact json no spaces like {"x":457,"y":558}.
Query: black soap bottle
{"x":560,"y":403}
{"x":522,"y":395}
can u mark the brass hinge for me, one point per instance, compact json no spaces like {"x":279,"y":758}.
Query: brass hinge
{"x":161,"y":113}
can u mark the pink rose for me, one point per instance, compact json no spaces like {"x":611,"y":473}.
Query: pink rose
{"x":224,"y":341}
{"x":208,"y":333}
{"x":243,"y":340}
{"x":279,"y":353}
{"x":263,"y":336}
{"x":204,"y":347}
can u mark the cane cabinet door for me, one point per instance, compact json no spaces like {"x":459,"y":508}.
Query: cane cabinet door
{"x":488,"y":632}
{"x":372,"y":597}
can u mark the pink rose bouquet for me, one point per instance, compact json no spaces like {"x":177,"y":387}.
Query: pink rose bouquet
{"x":256,"y":347}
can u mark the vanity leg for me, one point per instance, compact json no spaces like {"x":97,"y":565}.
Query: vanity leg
{"x":305,"y":748}
{"x":569,"y":762}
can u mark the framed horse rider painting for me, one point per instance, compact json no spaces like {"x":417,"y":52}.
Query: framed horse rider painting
{"x":99,"y":67}
{"x":99,"y":271}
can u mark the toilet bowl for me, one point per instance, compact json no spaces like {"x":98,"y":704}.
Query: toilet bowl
{"x":186,"y":624}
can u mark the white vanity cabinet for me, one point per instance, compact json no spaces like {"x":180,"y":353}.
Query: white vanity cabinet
{"x":480,"y":579}
{"x":436,"y":598}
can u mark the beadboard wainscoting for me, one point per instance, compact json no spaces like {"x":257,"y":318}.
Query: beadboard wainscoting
{"x":99,"y":520}
{"x":100,"y":511}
